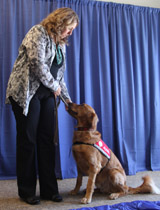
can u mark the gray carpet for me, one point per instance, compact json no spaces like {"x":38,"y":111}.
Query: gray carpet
{"x":9,"y":199}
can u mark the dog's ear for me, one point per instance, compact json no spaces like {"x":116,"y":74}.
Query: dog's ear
{"x":93,"y":121}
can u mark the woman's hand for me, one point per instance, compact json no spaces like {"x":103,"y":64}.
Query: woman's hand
{"x":58,"y":92}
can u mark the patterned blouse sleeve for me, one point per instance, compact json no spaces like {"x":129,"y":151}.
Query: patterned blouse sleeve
{"x":37,"y":47}
{"x":64,"y":89}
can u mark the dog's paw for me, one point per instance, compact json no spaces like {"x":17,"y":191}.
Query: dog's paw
{"x":73,"y":192}
{"x":85,"y":200}
{"x":113,"y":196}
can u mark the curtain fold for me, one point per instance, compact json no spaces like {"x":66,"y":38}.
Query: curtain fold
{"x":113,"y":64}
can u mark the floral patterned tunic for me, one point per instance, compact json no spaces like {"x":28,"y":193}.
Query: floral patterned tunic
{"x":32,"y":67}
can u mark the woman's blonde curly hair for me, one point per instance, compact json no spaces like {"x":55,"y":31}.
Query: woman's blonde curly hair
{"x":56,"y":22}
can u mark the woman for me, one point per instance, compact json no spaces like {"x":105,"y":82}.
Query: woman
{"x":37,"y":79}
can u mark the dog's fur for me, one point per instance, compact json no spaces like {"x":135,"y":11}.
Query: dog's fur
{"x":108,"y":175}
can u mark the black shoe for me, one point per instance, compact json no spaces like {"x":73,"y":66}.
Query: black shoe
{"x":56,"y":198}
{"x":32,"y":200}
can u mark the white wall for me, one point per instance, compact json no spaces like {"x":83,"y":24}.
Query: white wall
{"x":145,"y":3}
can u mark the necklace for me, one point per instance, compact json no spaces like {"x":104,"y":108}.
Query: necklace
{"x":58,"y":54}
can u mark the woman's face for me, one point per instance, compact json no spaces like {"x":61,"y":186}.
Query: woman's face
{"x":68,"y":30}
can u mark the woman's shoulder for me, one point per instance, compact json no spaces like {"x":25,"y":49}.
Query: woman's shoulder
{"x":37,"y":34}
{"x":38,"y":29}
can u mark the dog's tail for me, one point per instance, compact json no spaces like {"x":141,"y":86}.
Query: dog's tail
{"x":148,"y":186}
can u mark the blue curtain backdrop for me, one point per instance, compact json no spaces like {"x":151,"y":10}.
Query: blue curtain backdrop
{"x":113,"y":64}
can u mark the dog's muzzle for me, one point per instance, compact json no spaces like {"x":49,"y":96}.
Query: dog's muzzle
{"x":70,"y":109}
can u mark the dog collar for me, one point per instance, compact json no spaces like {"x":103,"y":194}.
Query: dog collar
{"x":82,"y":129}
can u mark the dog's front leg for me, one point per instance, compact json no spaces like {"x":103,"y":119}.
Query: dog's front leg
{"x":90,"y":188}
{"x":78,"y":184}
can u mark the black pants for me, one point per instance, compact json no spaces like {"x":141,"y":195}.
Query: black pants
{"x":35,"y":133}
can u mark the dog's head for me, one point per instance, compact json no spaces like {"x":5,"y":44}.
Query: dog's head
{"x":84,"y":114}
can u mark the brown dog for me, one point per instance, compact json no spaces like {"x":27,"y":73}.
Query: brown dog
{"x":106,"y":173}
